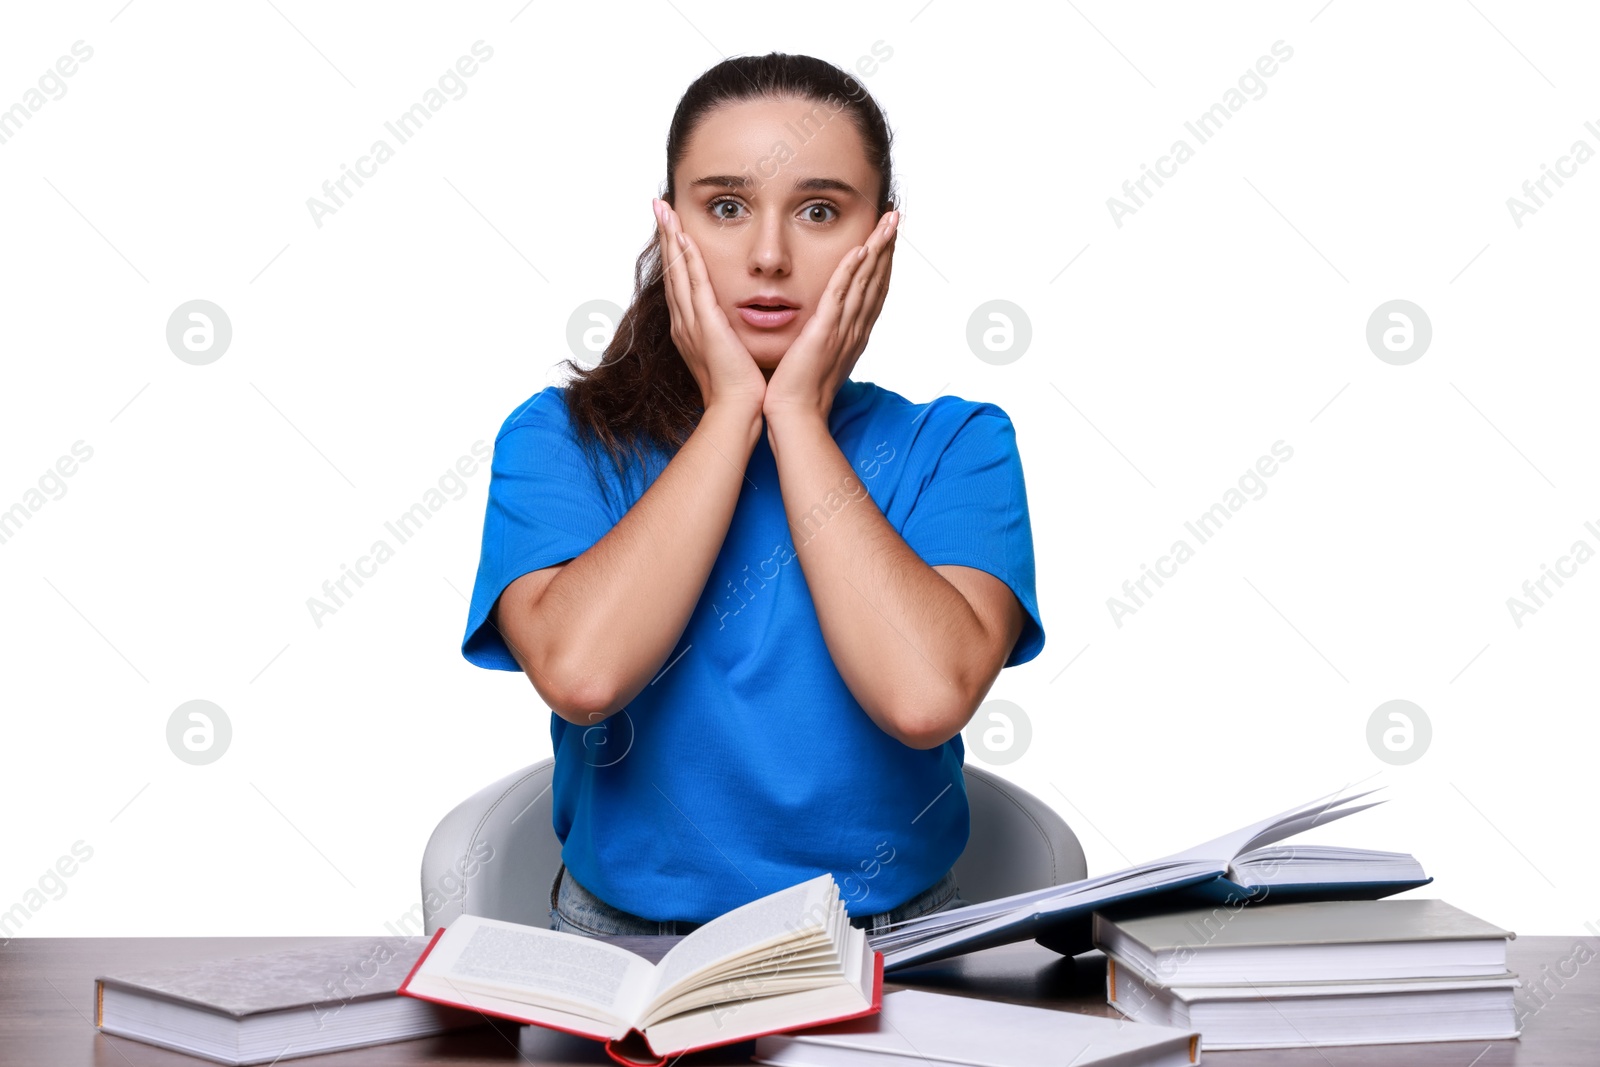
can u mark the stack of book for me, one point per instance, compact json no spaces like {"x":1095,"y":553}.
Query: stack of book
{"x":1337,"y":972}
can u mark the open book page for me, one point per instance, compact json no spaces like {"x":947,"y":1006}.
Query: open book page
{"x":782,"y":968}
{"x":1303,"y":822}
{"x":578,"y":1022}
{"x":972,"y":913}
{"x":848,"y":995}
{"x":804,"y":914}
{"x":1321,"y":854}
{"x":1293,"y":864}
{"x":899,"y":945}
{"x":977,"y":926}
{"x":537,"y":966}
{"x":1285,"y":824}
{"x":779,"y":968}
{"x":1048,"y":899}
{"x":792,"y":957}
{"x":743,"y":990}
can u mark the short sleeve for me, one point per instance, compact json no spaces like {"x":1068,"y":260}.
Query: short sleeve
{"x":973,"y":511}
{"x":545,"y":507}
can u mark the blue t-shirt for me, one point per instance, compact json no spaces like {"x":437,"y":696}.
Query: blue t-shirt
{"x":747,"y":765}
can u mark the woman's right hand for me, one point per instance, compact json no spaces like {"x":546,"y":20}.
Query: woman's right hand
{"x":723,"y":367}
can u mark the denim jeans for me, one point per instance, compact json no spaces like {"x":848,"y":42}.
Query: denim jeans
{"x":576,"y":910}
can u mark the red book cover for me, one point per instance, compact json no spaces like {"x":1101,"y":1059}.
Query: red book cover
{"x":632,"y":1049}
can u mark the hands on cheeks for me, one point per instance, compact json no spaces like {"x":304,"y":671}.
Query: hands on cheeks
{"x":833,"y":338}
{"x":821,"y":357}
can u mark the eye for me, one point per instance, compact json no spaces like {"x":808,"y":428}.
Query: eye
{"x":821,"y":205}
{"x":817,"y":205}
{"x":718,"y":202}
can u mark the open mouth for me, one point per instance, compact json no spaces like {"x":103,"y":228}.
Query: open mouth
{"x":768,"y":302}
{"x":768,"y":316}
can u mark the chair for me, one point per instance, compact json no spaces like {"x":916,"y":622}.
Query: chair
{"x":1017,"y":843}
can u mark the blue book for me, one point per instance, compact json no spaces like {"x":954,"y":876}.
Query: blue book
{"x":1235,"y":866}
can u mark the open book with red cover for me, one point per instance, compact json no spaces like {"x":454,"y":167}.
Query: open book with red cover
{"x":786,"y":961}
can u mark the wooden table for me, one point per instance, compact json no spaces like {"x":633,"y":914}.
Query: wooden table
{"x":47,"y":993}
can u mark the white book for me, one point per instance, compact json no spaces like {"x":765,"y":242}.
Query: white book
{"x":916,"y":1028}
{"x":1300,"y":1014}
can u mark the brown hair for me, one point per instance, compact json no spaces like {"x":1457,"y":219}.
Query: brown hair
{"x":641,"y":395}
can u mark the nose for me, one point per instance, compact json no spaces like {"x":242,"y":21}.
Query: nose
{"x":769,"y":245}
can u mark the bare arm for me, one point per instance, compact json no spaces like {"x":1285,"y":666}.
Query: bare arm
{"x":591,"y":633}
{"x":918,"y":646}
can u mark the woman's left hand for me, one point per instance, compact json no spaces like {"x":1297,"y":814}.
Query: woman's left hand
{"x":821,"y":358}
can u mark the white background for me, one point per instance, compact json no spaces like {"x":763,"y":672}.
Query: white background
{"x":368,"y":354}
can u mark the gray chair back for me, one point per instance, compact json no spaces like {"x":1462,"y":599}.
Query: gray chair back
{"x":496,"y":853}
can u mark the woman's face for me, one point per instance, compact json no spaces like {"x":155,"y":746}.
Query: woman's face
{"x":774,"y":192}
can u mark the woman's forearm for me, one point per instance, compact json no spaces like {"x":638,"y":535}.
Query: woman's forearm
{"x":906,"y":642}
{"x":609,"y":619}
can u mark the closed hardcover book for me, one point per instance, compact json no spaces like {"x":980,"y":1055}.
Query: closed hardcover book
{"x":1328,"y":940}
{"x":921,"y":1028}
{"x":1249,"y":1015}
{"x":269,"y":1006}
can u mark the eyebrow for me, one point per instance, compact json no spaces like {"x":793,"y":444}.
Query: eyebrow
{"x":739,"y":181}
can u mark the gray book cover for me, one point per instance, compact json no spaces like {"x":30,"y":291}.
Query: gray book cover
{"x":1309,"y":923}
{"x":345,"y":971}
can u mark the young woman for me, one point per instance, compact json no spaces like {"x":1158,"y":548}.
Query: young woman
{"x":760,"y":597}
